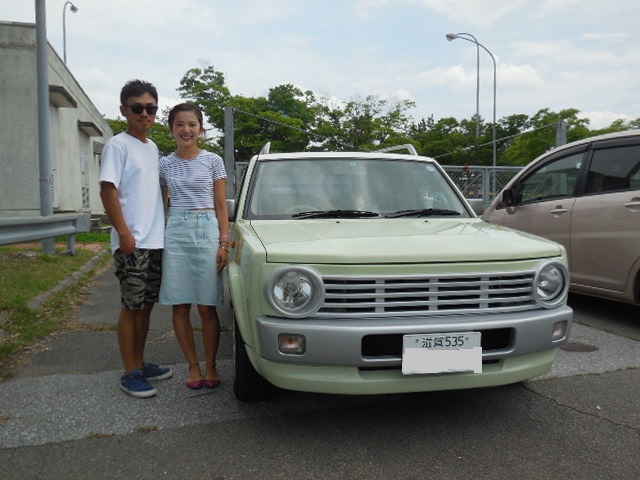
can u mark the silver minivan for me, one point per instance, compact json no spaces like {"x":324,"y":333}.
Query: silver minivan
{"x":586,"y":196}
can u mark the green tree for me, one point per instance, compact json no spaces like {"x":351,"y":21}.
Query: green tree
{"x":281,"y":118}
{"x":296,"y":120}
{"x":206,"y":87}
{"x":284,"y":118}
{"x":447,"y":141}
{"x":365,"y":124}
{"x":118,"y":125}
{"x":619,"y":125}
{"x":542,"y":135}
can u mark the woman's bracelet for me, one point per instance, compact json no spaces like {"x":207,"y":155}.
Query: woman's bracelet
{"x":222,"y":247}
{"x":224,"y":238}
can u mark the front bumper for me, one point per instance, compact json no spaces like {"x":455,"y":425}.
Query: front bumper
{"x":344,"y":380}
{"x":377,"y":342}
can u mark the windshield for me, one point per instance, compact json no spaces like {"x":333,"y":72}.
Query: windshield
{"x":351,"y":188}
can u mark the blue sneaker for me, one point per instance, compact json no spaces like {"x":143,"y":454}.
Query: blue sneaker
{"x":136,"y":385}
{"x":151,"y":371}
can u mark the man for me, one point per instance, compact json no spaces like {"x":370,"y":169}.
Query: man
{"x":130,"y":192}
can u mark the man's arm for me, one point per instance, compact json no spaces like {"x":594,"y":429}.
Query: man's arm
{"x":113,"y":209}
{"x":165,"y":195}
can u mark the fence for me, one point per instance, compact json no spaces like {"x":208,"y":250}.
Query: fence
{"x":480,"y":184}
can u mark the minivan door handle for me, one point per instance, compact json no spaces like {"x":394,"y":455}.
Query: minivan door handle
{"x":558,"y":210}
{"x":633,"y":205}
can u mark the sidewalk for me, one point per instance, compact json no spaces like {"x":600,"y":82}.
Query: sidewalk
{"x":69,"y":389}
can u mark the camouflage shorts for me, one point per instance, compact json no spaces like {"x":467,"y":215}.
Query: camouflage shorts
{"x":140,"y":275}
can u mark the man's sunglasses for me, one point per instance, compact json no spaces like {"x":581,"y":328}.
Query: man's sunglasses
{"x":137,"y":108}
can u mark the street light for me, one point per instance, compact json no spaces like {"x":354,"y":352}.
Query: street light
{"x":74,"y":9}
{"x":470,"y":38}
{"x":453,"y":36}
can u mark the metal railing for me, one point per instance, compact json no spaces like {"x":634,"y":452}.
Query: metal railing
{"x":27,"y":229}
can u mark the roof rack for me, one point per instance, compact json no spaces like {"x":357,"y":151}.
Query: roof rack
{"x":407,"y":146}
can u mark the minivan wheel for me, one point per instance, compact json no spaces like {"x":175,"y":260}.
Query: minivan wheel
{"x":248,"y":384}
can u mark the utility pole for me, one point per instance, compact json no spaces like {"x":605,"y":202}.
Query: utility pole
{"x":561,"y":132}
{"x":229,"y":153}
{"x":44,"y":132}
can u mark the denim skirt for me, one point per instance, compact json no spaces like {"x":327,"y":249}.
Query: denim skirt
{"x":189,"y":272}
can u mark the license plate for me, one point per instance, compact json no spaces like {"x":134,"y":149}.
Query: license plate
{"x":442,"y":353}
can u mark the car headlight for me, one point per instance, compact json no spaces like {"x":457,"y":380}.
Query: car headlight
{"x":551,"y":284}
{"x":295,"y":291}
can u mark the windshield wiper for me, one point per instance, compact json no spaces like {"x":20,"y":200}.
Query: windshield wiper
{"x":425,"y":212}
{"x":335,"y":214}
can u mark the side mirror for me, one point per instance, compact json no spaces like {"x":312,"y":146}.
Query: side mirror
{"x":508,"y":197}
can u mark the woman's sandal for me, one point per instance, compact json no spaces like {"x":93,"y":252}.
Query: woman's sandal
{"x":194,"y":384}
{"x":211,"y":383}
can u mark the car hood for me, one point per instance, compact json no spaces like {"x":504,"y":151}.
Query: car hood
{"x":391,"y":241}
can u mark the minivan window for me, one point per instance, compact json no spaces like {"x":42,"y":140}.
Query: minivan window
{"x":555,"y":179}
{"x":613,"y":169}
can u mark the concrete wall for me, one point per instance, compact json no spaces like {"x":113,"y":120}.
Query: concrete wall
{"x":78,"y":131}
{"x":18,"y":121}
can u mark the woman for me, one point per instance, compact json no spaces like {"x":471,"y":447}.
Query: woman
{"x":196,"y":240}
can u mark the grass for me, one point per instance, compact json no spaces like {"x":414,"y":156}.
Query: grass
{"x":88,"y":237}
{"x":26,"y":273}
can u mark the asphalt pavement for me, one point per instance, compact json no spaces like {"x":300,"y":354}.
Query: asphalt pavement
{"x":64,"y":397}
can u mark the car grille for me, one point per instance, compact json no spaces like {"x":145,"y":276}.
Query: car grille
{"x":371,"y":296}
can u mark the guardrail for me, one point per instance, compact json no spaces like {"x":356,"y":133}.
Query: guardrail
{"x":26,"y":229}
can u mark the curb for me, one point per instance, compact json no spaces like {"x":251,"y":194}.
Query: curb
{"x":37,"y":302}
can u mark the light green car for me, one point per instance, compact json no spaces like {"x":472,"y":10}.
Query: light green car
{"x":368,"y":273}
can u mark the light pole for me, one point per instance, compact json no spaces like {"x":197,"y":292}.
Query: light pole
{"x":453,"y":36}
{"x":470,"y":38}
{"x":74,"y":9}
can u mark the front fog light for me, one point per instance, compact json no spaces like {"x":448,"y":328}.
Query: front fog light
{"x":292,"y":344}
{"x":559,"y":331}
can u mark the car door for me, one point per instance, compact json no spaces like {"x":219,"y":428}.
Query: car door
{"x":545,"y":197}
{"x":605,"y":233}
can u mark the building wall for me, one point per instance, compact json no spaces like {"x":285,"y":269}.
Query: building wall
{"x":18,"y":122}
{"x":78,"y":131}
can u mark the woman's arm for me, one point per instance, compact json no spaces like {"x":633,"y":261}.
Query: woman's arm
{"x":220,"y":199}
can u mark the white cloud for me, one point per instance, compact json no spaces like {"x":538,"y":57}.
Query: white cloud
{"x":604,"y":119}
{"x":469,"y":12}
{"x":579,"y":54}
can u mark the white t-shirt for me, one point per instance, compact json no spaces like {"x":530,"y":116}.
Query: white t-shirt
{"x":132,"y":166}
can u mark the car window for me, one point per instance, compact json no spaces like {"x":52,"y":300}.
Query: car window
{"x":285,"y":188}
{"x":553,"y":180}
{"x":613,"y":169}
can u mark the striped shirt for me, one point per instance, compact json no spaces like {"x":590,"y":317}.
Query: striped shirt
{"x":190,"y":182}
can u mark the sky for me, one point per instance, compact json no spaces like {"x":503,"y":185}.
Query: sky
{"x":555,"y":54}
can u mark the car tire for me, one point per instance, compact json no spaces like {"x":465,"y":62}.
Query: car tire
{"x":248,"y":384}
